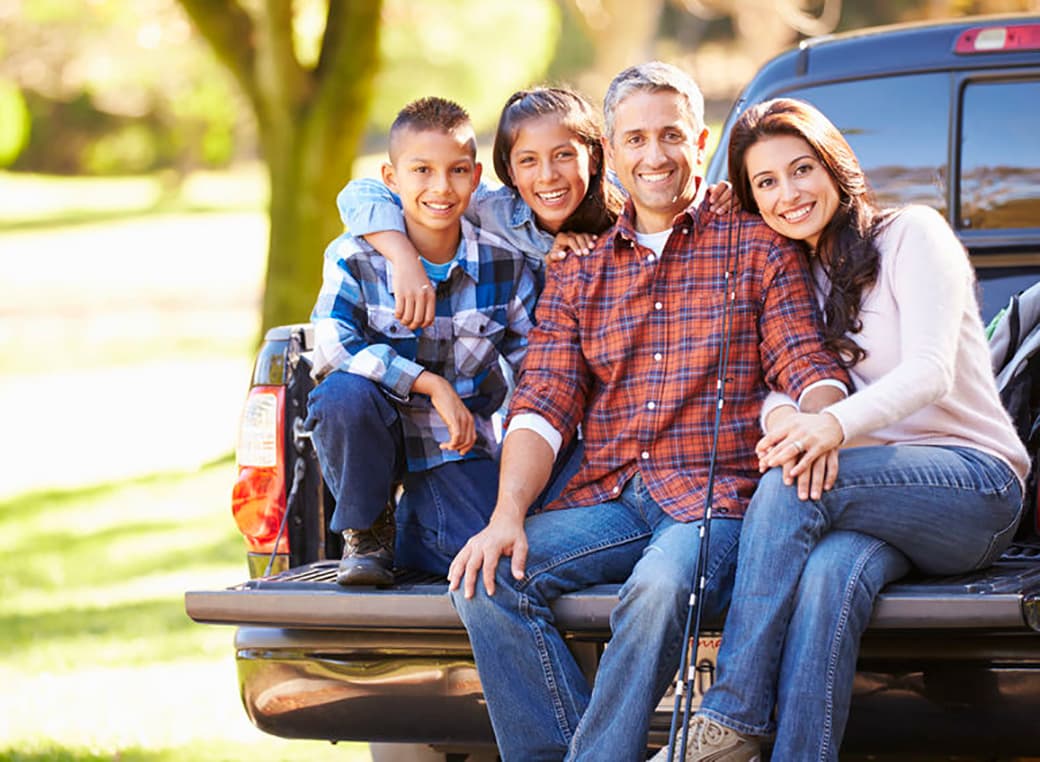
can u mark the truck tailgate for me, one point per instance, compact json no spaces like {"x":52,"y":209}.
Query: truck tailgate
{"x":1004,"y":596}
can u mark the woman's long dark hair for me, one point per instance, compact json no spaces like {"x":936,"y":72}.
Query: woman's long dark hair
{"x":846,"y":248}
{"x":602,"y":202}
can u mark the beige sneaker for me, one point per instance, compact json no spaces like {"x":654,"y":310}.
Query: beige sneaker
{"x":709,"y":741}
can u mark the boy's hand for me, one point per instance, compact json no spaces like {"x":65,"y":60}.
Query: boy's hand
{"x":448,"y":404}
{"x":579,"y":244}
{"x":414,"y":295}
{"x":722,"y":198}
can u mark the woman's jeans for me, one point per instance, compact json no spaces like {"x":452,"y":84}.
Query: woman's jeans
{"x":809,"y":572}
{"x":539,"y":700}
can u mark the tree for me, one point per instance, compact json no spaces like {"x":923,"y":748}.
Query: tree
{"x":310,"y":121}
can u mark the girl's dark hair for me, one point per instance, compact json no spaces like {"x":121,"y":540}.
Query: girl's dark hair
{"x":603,"y":201}
{"x":846,"y":248}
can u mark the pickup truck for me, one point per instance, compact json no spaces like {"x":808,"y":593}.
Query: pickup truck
{"x":943,"y":114}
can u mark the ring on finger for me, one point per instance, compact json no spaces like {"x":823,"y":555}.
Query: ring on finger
{"x":798,"y":446}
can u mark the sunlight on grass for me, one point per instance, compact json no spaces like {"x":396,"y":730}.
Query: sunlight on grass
{"x":103,"y":660}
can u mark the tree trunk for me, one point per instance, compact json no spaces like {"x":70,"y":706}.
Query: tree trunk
{"x":310,"y":122}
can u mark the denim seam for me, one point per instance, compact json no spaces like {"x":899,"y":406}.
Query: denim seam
{"x":911,"y":480}
{"x":551,"y":563}
{"x":737,"y":727}
{"x":559,"y":710}
{"x":843,"y":620}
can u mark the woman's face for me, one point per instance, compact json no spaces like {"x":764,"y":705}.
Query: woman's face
{"x":550,"y":168}
{"x":795,"y":193}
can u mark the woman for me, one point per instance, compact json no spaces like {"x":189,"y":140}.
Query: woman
{"x":555,"y":197}
{"x":929,"y":471}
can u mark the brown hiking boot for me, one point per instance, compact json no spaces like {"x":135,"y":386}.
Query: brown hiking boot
{"x":368,"y":554}
{"x":708,"y":741}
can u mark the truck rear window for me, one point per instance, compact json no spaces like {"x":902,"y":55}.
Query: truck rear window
{"x":999,"y":186}
{"x":904,"y":157}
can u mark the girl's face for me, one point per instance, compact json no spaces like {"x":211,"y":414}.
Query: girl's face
{"x":795,"y":193}
{"x":550,"y":168}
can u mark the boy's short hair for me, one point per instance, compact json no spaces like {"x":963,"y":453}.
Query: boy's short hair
{"x":431,"y":113}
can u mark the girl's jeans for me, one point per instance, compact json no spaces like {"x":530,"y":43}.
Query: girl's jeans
{"x":809,"y":572}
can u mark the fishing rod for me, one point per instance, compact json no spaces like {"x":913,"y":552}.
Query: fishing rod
{"x":684,"y":684}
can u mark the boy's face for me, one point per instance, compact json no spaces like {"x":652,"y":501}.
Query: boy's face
{"x":434,"y":172}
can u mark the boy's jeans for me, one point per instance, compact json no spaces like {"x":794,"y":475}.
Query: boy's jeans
{"x":357,"y":435}
{"x":540,"y":703}
{"x":804,"y":592}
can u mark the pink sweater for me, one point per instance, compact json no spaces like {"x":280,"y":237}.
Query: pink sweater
{"x":926,"y":378}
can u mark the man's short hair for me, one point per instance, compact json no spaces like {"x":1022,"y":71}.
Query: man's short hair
{"x":431,"y":113}
{"x":654,"y":77}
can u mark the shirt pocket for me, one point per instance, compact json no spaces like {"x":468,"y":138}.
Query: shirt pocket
{"x":387,"y":329}
{"x":477,"y":337}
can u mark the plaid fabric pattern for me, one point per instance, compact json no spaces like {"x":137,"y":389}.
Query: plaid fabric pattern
{"x":484,"y":312}
{"x":627,"y":344}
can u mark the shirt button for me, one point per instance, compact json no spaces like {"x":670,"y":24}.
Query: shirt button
{"x":616,"y":490}
{"x":645,"y":455}
{"x":651,"y":405}
{"x":650,"y":257}
{"x":658,"y":306}
{"x":658,"y":356}
{"x":685,"y":231}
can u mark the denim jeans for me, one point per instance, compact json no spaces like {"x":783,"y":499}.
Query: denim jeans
{"x":810,"y":570}
{"x":540,"y":702}
{"x":357,"y":435}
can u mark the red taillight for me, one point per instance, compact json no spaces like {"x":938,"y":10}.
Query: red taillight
{"x":995,"y":39}
{"x":258,"y":498}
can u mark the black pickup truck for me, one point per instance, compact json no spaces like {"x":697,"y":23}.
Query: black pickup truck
{"x":942,"y":114}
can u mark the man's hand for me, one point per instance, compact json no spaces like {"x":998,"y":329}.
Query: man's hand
{"x":446,"y":401}
{"x":579,"y":244}
{"x":415,"y":298}
{"x":503,"y":536}
{"x":806,"y":446}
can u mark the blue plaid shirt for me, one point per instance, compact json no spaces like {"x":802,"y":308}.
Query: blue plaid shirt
{"x":485,"y":308}
{"x":368,"y":206}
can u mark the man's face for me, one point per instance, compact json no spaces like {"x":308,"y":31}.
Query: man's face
{"x":657,"y":154}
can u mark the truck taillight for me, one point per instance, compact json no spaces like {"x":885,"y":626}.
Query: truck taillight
{"x":258,"y":498}
{"x":996,"y":39}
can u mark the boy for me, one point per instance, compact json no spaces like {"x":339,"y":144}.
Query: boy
{"x":396,"y":405}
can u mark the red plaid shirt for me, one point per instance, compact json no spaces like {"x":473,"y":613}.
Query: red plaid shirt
{"x":627,"y":344}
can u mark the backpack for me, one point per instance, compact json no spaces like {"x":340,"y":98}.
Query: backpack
{"x":1014,"y":346}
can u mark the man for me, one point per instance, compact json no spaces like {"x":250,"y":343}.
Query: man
{"x":627,"y":345}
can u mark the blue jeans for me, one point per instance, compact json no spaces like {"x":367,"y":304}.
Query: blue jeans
{"x":357,"y":435}
{"x":540,"y":702}
{"x":810,"y":570}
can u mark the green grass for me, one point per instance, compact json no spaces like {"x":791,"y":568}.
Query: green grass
{"x":98,"y":659}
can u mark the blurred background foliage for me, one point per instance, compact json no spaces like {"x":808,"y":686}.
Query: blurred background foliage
{"x":126,"y":86}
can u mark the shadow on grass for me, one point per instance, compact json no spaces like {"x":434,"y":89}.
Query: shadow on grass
{"x":60,"y":754}
{"x":79,"y":217}
{"x":29,"y":503}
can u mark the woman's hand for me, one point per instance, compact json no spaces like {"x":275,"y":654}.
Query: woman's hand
{"x":722,"y":198}
{"x":415,"y":298}
{"x":806,"y":446}
{"x":578,"y":243}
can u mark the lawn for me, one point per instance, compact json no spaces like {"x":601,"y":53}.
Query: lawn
{"x":130,"y":309}
{"x":98,"y":659}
